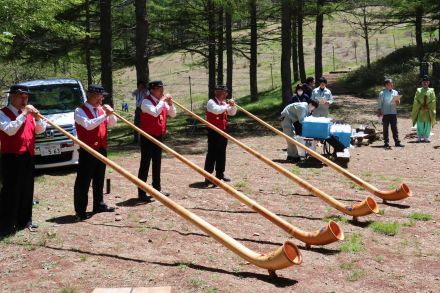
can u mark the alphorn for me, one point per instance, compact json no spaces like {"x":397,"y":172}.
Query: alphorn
{"x":399,"y":193}
{"x":285,"y":256}
{"x":326,"y":235}
{"x":363,"y":208}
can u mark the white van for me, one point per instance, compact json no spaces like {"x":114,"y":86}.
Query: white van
{"x":56,"y":99}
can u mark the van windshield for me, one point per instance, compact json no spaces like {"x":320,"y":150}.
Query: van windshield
{"x":56,"y":98}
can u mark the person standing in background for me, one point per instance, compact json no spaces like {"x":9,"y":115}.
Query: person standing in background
{"x":387,"y":109}
{"x":424,"y":110}
{"x":139,"y":94}
{"x":325,"y":98}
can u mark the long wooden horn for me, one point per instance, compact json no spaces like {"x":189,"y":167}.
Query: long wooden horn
{"x":329,"y":234}
{"x":399,"y":193}
{"x":363,"y":208}
{"x":285,"y":256}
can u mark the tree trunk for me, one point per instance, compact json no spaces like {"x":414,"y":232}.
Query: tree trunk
{"x":106,"y":49}
{"x":318,"y":37}
{"x":295,"y":66}
{"x":211,"y":48}
{"x":286,"y":86}
{"x":253,"y":61}
{"x":229,"y":51}
{"x":220,"y":47}
{"x":301,"y":63}
{"x":141,"y":40}
{"x":419,"y":39}
{"x":87,"y":45}
{"x":367,"y":41}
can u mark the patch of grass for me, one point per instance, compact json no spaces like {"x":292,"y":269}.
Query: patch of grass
{"x":240,"y":184}
{"x":353,"y":243}
{"x":356,"y":275}
{"x":65,"y":290}
{"x":83,"y":258}
{"x":379,"y":258}
{"x":410,"y":223}
{"x":355,"y":186}
{"x":404,"y":242}
{"x":211,"y":290}
{"x":389,"y":229}
{"x":296,"y":170}
{"x":196,"y":283}
{"x":420,"y":216}
{"x":382,"y":212}
{"x":347,"y":266}
{"x":366,"y":174}
{"x":183,"y":266}
{"x":336,"y":218}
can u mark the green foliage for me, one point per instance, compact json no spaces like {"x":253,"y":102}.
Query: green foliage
{"x":389,"y":229}
{"x":352,"y":244}
{"x":336,"y":218}
{"x":420,"y":216}
{"x":401,"y":66}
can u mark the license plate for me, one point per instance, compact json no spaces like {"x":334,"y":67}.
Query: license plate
{"x":50,"y":150}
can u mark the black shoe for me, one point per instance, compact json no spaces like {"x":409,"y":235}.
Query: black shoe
{"x":224,"y":179}
{"x":103,"y":208}
{"x":386,"y":145}
{"x":144,"y":198}
{"x":166,"y":193}
{"x":81,"y":217}
{"x":399,"y":145}
{"x":427,"y":141}
{"x":35,"y":201}
{"x":32,"y":227}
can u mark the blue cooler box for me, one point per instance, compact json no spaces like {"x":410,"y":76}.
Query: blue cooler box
{"x":316,"y":129}
{"x":343,"y":137}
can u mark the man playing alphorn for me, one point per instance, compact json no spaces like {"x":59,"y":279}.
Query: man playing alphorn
{"x":91,"y":121}
{"x":216,"y":114}
{"x":155,"y":109}
{"x":19,"y":122}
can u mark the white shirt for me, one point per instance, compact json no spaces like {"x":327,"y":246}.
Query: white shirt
{"x":148,"y":107}
{"x":89,"y":124}
{"x":215,"y":108}
{"x":11,"y":127}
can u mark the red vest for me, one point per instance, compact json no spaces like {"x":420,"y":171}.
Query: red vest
{"x":155,"y":126}
{"x":21,"y":142}
{"x":218,"y":120}
{"x":97,"y":137}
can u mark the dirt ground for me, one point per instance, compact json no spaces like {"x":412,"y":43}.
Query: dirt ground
{"x":146,"y":245}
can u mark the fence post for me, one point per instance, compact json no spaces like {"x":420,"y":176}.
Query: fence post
{"x":334,"y":68}
{"x":271,"y":75}
{"x":190,"y":93}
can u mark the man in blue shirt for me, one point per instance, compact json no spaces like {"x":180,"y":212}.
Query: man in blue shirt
{"x":324,"y":96}
{"x":388,"y":110}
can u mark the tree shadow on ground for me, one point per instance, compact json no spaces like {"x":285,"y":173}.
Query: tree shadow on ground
{"x":184,"y":233}
{"x":252,"y":212}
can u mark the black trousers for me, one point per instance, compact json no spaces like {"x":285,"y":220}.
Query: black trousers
{"x":90,"y":169}
{"x":17,"y":192}
{"x":216,"y":156}
{"x":387,"y":120}
{"x":137,"y":122}
{"x":150,"y":152}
